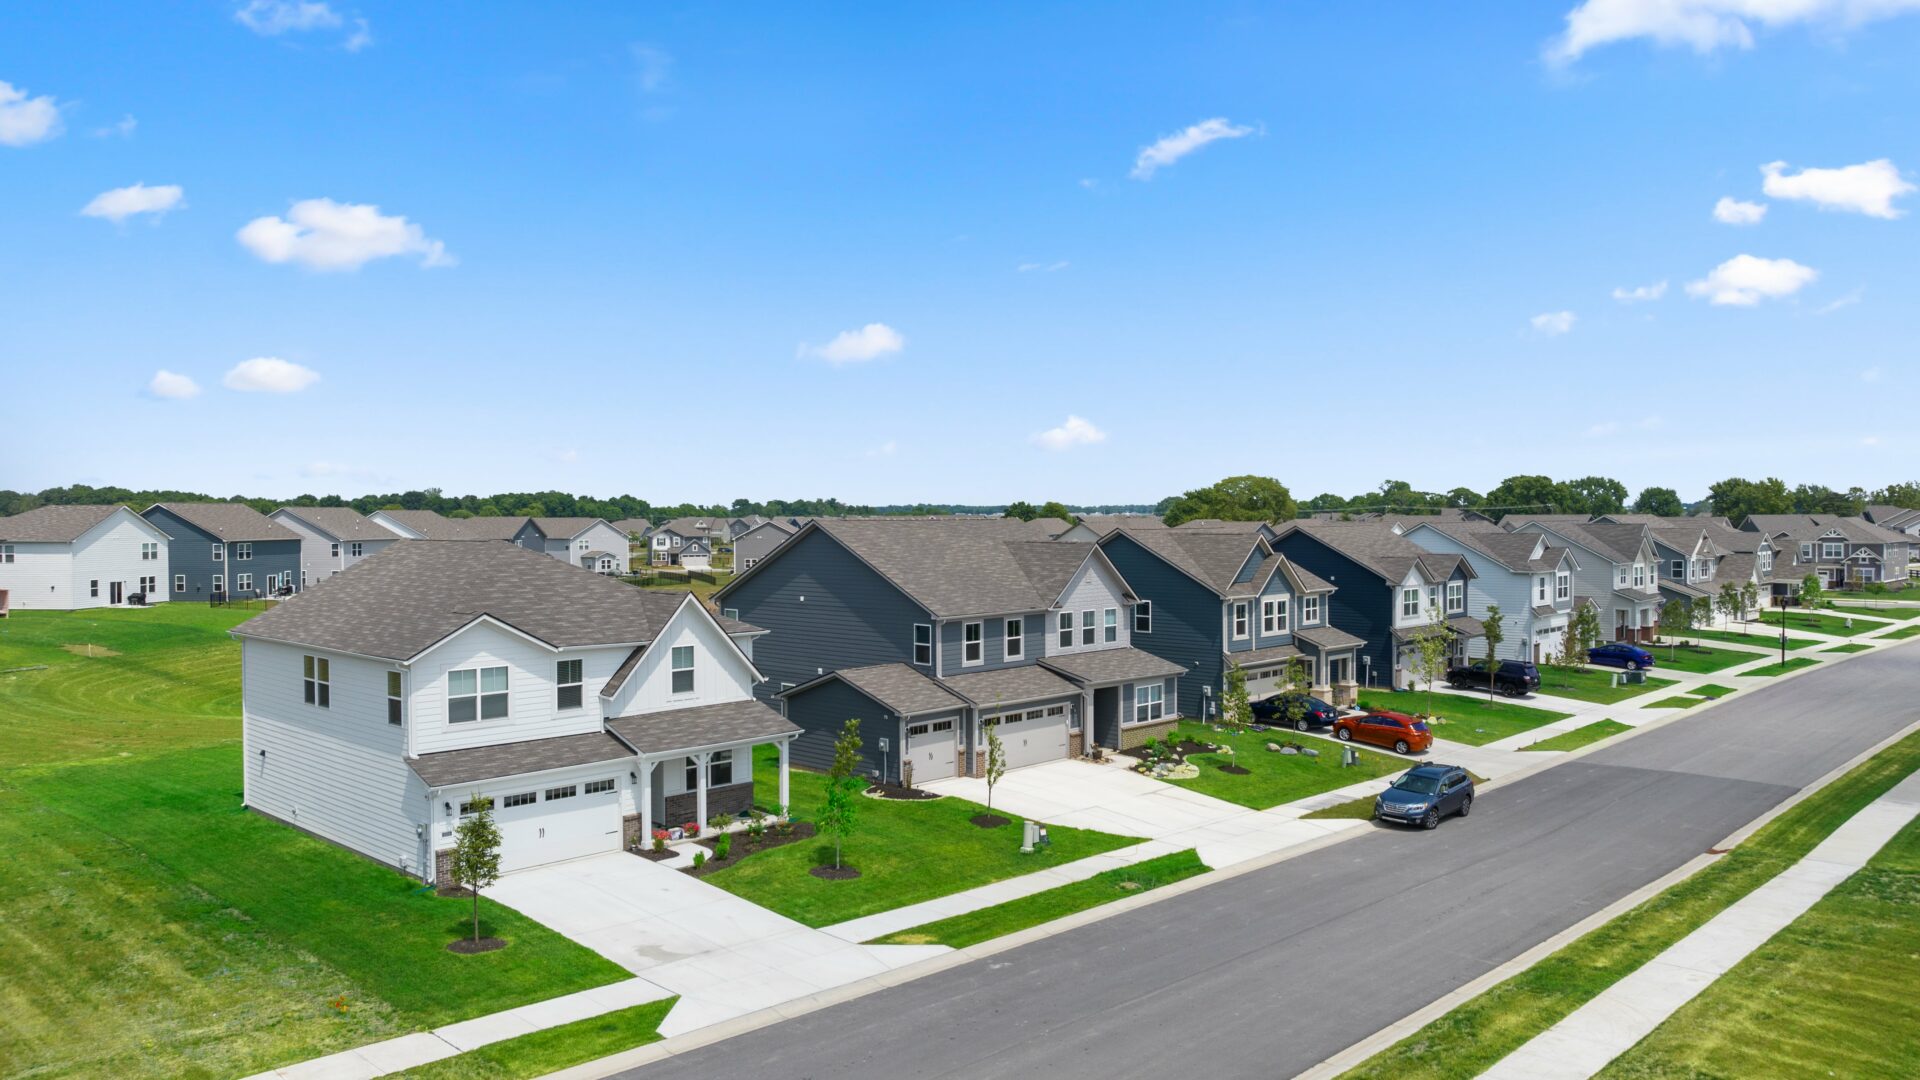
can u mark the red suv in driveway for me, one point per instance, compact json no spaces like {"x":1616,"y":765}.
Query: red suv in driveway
{"x":1397,"y":731}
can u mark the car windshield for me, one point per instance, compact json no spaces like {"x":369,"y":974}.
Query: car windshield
{"x":1419,"y":725}
{"x":1419,"y":785}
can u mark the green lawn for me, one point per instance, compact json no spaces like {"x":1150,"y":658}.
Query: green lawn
{"x":1820,"y":624}
{"x":1762,"y":641}
{"x":553,"y":1049}
{"x":1105,"y":887}
{"x":1594,"y":684}
{"x":1697,"y":659}
{"x":1850,"y":647}
{"x":1464,"y":719}
{"x":700,"y":589}
{"x":1901,"y":633}
{"x":1470,"y":1038}
{"x":1273,"y":778}
{"x":1770,"y":670}
{"x":1830,"y":995}
{"x":151,"y":927}
{"x":1711,"y":690}
{"x":1581,"y":736}
{"x":1894,"y":614}
{"x":1679,"y":702}
{"x":906,"y":852}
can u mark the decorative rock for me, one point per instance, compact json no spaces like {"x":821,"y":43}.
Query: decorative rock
{"x":1310,"y":752}
{"x":1183,"y":771}
{"x":1274,"y":746}
{"x":1289,"y":749}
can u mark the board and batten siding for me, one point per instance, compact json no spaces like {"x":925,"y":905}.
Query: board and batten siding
{"x":1186,"y":622}
{"x":339,"y":772}
{"x":719,"y":674}
{"x":826,"y":610}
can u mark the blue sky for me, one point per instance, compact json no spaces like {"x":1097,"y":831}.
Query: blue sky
{"x":633,"y":233}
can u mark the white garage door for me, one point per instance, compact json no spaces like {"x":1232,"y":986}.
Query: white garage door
{"x":933,"y":749}
{"x":557,"y":820}
{"x":1263,"y":682}
{"x":1034,"y":736}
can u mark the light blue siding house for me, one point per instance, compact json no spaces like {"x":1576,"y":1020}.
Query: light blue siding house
{"x":1524,"y":574}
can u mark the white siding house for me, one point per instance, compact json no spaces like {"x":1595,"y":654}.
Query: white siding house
{"x":65,"y":558}
{"x":332,"y":538}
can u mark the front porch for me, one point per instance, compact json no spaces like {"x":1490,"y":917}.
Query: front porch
{"x":1127,"y":695}
{"x":694,"y":767}
{"x":1334,"y":656}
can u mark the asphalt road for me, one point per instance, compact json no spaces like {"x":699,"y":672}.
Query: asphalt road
{"x":1271,"y":972}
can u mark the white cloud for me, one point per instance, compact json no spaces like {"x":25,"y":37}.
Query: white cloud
{"x":325,"y":235}
{"x":1640,"y":292}
{"x":1174,"y":147}
{"x":168,"y":384}
{"x":1602,"y":430}
{"x":1745,"y":280}
{"x":1846,"y":301}
{"x":272,"y":17}
{"x":124,"y":128}
{"x":1553,"y":323}
{"x":361,"y":37}
{"x":24,"y":120}
{"x":1732,"y":211}
{"x":1704,"y":25}
{"x":1867,"y":188}
{"x":885,"y":449}
{"x":270,"y":375}
{"x":1048,"y":268}
{"x":1869,"y":440}
{"x":1871,"y":375}
{"x":870,"y":342}
{"x":1075,"y":432}
{"x":122,"y":203}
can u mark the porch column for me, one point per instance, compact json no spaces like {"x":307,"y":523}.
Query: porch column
{"x":700,"y":789}
{"x":646,"y":802}
{"x":783,"y":744}
{"x":1088,"y":739}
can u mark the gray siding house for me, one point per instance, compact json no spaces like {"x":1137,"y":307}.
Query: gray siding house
{"x":1528,"y":578}
{"x":226,"y":549}
{"x":1616,"y":568}
{"x":589,"y":543}
{"x":332,"y":538}
{"x":758,"y":542}
{"x":1843,"y":552}
{"x":928,"y":630}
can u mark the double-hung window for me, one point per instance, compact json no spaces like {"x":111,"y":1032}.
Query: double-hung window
{"x":973,"y":643}
{"x":1457,"y":594}
{"x":1149,"y":702}
{"x":923,"y":644}
{"x":1620,"y":577}
{"x":242,"y":552}
{"x":243,"y":582}
{"x":1066,"y":629}
{"x":1240,"y":618}
{"x":1110,"y":625}
{"x":396,"y":711}
{"x":683,"y":669}
{"x":219,"y":552}
{"x":567,"y":683}
{"x":179,"y":583}
{"x":476,"y":694}
{"x":1563,"y":586}
{"x":149,"y":585}
{"x":354,"y":549}
{"x":1016,"y":637}
{"x":1268,"y":624}
{"x":316,"y":681}
{"x":719,"y":770}
{"x":219,"y":583}
{"x":1833,"y":550}
{"x":1309,"y":610}
{"x":333,"y":551}
{"x":1806,"y":552}
{"x":149,"y":552}
{"x":1540,"y":589}
{"x":1639,"y":575}
{"x":1677,"y":569}
{"x":6,"y":553}
{"x":1089,"y":632}
{"x":1143,"y":617}
{"x":1409,"y":603}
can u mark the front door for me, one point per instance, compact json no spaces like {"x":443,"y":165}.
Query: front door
{"x":114,"y":589}
{"x":1622,"y":631}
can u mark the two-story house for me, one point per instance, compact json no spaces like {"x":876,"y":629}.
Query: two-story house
{"x":1215,"y":598}
{"x":928,"y":631}
{"x":1842,"y":552}
{"x":590,"y":543}
{"x":753,"y":545}
{"x":332,"y":538}
{"x":378,"y":706}
{"x":1390,"y":591}
{"x":1616,"y":569}
{"x":432,"y":525}
{"x":226,"y":549}
{"x":668,"y":541}
{"x":1900,"y":519}
{"x":64,"y":558}
{"x":1529,"y":579}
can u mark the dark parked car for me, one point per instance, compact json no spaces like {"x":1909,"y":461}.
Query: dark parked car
{"x":1425,"y":794}
{"x":1275,"y":710}
{"x":1512,"y":678}
{"x":1402,"y":733}
{"x":1621,"y":655}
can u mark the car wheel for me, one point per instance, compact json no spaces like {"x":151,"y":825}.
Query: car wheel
{"x":1633,"y":665}
{"x":1510,"y":691}
{"x":1344,"y":735}
{"x":1300,"y":725}
{"x":1432,"y":820}
{"x":1401,"y":747}
{"x":1466,"y":806}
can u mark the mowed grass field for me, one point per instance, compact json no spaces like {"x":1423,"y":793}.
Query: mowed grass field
{"x":152,"y":927}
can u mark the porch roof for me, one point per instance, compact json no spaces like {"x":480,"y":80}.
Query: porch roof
{"x":1682,"y":588}
{"x":1543,"y":611}
{"x":1112,"y":666}
{"x":1638,"y":596}
{"x":1267,"y":657}
{"x":1007,"y":686}
{"x":903,"y":689}
{"x":449,"y":767}
{"x":701,"y":726}
{"x":1328,"y":638}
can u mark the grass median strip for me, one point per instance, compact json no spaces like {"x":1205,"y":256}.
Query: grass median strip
{"x":1758,"y":641}
{"x":1581,"y":736}
{"x":1770,"y":670}
{"x":1594,"y":684}
{"x":1895,"y":614}
{"x":1839,"y":626}
{"x":1677,"y":702}
{"x":1105,"y":887}
{"x":1849,"y":647}
{"x":542,"y":1052}
{"x":1467,"y":1040}
{"x":1697,"y":659}
{"x":1903,"y":632}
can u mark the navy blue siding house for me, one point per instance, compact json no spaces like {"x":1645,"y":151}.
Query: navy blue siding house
{"x":225,"y":548}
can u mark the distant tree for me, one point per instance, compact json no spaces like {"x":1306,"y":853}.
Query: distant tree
{"x":996,"y":760}
{"x":1525,"y":494}
{"x":1023,"y":510}
{"x":1055,"y":509}
{"x":475,"y":861}
{"x":1237,"y":498}
{"x":1596,"y":495}
{"x":1433,"y":651}
{"x":1905,"y":495}
{"x":1461,"y":498}
{"x":1736,"y":498}
{"x":1496,"y":633}
{"x":1658,"y":500}
{"x":1324,"y":502}
{"x":840,"y":812}
{"x":1821,"y":499}
{"x":1235,"y":710}
{"x":1676,"y":618}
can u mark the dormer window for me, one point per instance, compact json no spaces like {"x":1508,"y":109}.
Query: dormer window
{"x":1409,"y":603}
{"x":1309,"y":610}
{"x":1457,"y":594}
{"x":683,"y":669}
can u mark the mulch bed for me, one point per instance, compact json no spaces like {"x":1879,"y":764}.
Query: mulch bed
{"x":1234,"y":770}
{"x":831,"y":873}
{"x":744,"y":845}
{"x":651,"y":855}
{"x":988,"y":821}
{"x":903,"y":794}
{"x":466,"y":946}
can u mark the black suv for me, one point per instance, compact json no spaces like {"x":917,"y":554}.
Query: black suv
{"x":1312,"y":712}
{"x":1512,"y":678}
{"x":1425,"y":794}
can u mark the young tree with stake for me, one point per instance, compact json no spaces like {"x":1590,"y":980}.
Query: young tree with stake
{"x":1236,"y":711}
{"x":1676,"y":618}
{"x":839,"y":813}
{"x":475,"y":862}
{"x":1433,"y":653}
{"x":1749,"y":600}
{"x":1495,"y":635}
{"x":996,"y":759}
{"x":1727,"y":602}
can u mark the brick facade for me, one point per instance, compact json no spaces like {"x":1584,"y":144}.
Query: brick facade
{"x":1133,"y":736}
{"x":722,"y":802}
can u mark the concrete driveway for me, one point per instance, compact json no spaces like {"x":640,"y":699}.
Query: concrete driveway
{"x":723,"y":955}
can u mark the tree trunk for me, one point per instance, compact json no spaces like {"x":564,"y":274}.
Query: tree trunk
{"x":836,"y":850}
{"x":476,"y":916}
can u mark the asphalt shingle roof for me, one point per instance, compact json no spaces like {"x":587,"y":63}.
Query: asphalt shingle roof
{"x":960,"y":567}
{"x":1802,"y":527}
{"x":1213,"y":556}
{"x":339,"y":522}
{"x":1509,"y":549}
{"x":903,"y":689}
{"x":427,"y":523}
{"x":1377,"y":547}
{"x":702,"y":725}
{"x":1326,"y":638}
{"x":567,"y":528}
{"x":53,"y":524}
{"x":398,"y":601}
{"x":230,"y":522}
{"x":1009,"y":686}
{"x":472,"y":765}
{"x":1112,"y":665}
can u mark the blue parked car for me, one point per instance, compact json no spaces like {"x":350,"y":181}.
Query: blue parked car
{"x":1425,"y":794}
{"x":1621,"y":655}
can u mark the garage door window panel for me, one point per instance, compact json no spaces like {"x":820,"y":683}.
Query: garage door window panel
{"x":520,"y":798}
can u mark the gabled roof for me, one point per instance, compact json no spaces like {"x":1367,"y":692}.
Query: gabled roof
{"x":1893,"y":517}
{"x":56,"y":524}
{"x":1512,"y":550}
{"x":400,"y":601}
{"x":1009,"y":685}
{"x":338,"y":522}
{"x":565,"y":528}
{"x":228,"y":522}
{"x":1104,"y":523}
{"x":903,"y":689}
{"x":1377,"y":547}
{"x":777,"y":526}
{"x":1615,"y":543}
{"x":1212,"y":557}
{"x":1112,"y":665}
{"x":693,"y":526}
{"x":634,"y":525}
{"x":684,"y":730}
{"x":1217,"y":525}
{"x":489,"y":528}
{"x":1804,"y":527}
{"x":428,"y":523}
{"x":477,"y":763}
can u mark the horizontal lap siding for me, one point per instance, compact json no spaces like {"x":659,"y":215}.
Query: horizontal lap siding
{"x":1094,"y":589}
{"x":1361,"y":604}
{"x":1186,"y":620}
{"x":824,"y":710}
{"x":42,"y":577}
{"x":952,"y":641}
{"x":532,"y":707}
{"x":719,"y":675}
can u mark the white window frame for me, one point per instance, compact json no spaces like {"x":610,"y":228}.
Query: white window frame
{"x":243,"y":582}
{"x":1410,"y":603}
{"x":1089,"y":627}
{"x":220,"y":583}
{"x":1239,"y":620}
{"x":93,"y":588}
{"x":562,"y":684}
{"x":1269,"y":622}
{"x":1562,"y":585}
{"x":1149,"y":702}
{"x":6,"y":553}
{"x":1309,"y":610}
{"x":179,"y":583}
{"x":1620,"y":573}
{"x":1639,"y":575}
{"x":396,"y":699}
{"x":480,"y":697}
{"x":149,"y":552}
{"x":1014,"y":638}
{"x":219,"y":552}
{"x":973,"y":644}
{"x":680,"y":653}
{"x":1110,"y":625}
{"x":333,"y":551}
{"x":243,"y":552}
{"x":1806,"y":552}
{"x":1065,"y":623}
{"x":355,"y":549}
{"x":1143,"y":616}
{"x":316,"y":681}
{"x":1833,"y":549}
{"x":920,"y":657}
{"x":149,"y":585}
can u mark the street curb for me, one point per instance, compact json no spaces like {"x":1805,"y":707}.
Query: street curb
{"x":1386,"y":1037}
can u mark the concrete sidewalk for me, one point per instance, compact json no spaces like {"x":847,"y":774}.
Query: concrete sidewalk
{"x":1629,"y":1010}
